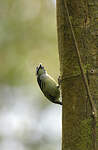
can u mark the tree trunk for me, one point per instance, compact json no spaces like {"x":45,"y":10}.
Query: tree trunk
{"x":78,"y":124}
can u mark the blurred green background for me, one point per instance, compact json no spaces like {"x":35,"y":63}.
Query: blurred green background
{"x":28,"y":121}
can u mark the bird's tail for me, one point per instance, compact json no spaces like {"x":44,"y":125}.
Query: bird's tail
{"x":57,"y":102}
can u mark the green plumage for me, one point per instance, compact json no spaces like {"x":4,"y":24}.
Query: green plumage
{"x":48,"y":85}
{"x":51,"y":90}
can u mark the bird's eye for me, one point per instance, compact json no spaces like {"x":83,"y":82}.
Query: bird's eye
{"x":42,"y":67}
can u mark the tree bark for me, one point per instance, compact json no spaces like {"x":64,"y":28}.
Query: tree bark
{"x":78,"y":125}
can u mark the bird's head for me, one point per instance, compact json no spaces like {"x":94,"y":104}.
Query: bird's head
{"x":40,"y":70}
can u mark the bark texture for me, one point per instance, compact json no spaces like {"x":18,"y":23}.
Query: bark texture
{"x":78,"y":130}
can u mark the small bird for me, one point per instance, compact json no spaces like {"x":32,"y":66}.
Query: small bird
{"x":48,"y":85}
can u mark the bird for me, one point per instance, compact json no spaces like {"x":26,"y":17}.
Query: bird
{"x":48,"y":85}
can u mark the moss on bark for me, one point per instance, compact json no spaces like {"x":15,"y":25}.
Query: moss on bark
{"x":78,"y":131}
